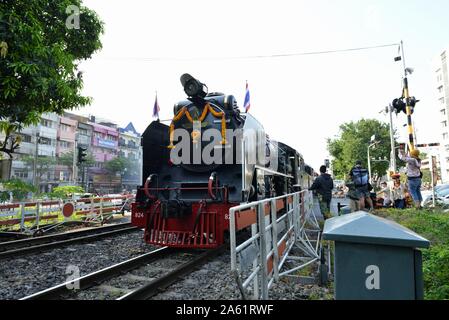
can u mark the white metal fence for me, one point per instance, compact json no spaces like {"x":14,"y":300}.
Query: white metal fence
{"x":278,"y":225}
{"x":40,"y":216}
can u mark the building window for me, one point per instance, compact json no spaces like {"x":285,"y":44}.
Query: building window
{"x":47,"y":123}
{"x":83,"y":132}
{"x":440,"y":89}
{"x":63,"y":127}
{"x":21,"y":174}
{"x":444,"y":123}
{"x":26,"y":138}
{"x":98,"y":135}
{"x":441,"y":100}
{"x":45,"y":141}
{"x":65,"y":144}
{"x":111,"y":138}
{"x":443,"y":112}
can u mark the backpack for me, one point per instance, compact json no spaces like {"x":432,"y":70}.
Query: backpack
{"x":360,"y":177}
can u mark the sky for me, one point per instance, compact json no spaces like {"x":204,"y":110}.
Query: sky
{"x":300,"y":100}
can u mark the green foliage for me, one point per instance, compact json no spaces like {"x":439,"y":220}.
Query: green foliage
{"x":426,"y":176}
{"x":18,"y":188}
{"x":66,"y":191}
{"x":118,"y":164}
{"x":353,"y":145}
{"x":433,"y":225}
{"x":39,"y":57}
{"x":66,"y":159}
{"x":44,"y":164}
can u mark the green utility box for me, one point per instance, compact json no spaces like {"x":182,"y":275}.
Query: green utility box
{"x":375,"y":258}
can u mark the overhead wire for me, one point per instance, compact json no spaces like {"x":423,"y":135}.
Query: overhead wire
{"x":252,"y":57}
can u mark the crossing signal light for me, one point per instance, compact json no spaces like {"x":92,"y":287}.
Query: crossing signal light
{"x":82,"y":154}
{"x":400,"y":105}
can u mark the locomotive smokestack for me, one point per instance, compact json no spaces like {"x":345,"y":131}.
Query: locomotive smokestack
{"x":193,"y":87}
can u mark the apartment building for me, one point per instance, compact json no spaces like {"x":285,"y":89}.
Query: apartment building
{"x":130,"y":148}
{"x":442,"y":102}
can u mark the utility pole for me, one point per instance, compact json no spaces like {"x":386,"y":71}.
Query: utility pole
{"x":393,"y":151}
{"x":35,"y":159}
{"x":74,"y":175}
{"x":373,"y":144}
{"x":406,"y":95}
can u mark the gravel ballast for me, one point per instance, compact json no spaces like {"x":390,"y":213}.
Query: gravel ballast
{"x":32,"y":273}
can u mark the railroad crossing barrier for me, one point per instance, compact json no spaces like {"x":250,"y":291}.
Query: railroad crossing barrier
{"x":293,"y":237}
{"x":35,"y":218}
{"x":375,"y":259}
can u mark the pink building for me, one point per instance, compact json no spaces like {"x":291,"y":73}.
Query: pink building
{"x":104,"y":142}
{"x":66,"y":135}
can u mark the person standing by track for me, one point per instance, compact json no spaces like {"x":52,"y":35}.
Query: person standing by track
{"x":414,"y":175}
{"x":323,"y":185}
{"x":359,"y":176}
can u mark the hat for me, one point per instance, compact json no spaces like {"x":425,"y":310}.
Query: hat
{"x":395,"y":176}
{"x":415,"y":153}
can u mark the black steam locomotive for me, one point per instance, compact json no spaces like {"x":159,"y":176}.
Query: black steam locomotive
{"x":210,"y":158}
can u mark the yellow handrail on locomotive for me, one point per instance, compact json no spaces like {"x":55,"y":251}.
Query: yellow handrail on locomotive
{"x":207,"y":108}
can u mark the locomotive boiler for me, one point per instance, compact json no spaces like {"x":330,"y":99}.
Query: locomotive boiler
{"x":210,"y":158}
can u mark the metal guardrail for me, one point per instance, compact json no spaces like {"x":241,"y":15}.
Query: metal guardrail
{"x":261,"y":259}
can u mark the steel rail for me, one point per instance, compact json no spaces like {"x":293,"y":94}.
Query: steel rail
{"x":26,"y":246}
{"x":160,"y":284}
{"x":93,"y":278}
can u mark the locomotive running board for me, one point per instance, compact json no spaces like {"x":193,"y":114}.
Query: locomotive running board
{"x":273,"y":172}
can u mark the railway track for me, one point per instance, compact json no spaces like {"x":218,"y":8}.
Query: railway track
{"x":124,"y":270}
{"x":32,"y":245}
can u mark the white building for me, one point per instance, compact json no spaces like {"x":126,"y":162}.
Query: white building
{"x":130,"y":148}
{"x":46,"y":134}
{"x":442,"y":89}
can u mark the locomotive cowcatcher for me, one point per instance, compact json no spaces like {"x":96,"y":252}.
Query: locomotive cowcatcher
{"x":185,"y":198}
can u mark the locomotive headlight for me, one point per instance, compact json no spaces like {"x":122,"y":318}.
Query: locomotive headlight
{"x":192,"y":87}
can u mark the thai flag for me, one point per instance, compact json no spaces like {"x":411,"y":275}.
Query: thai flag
{"x":156,"y":109}
{"x":247,"y":103}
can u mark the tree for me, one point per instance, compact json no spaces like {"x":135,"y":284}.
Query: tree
{"x":66,"y":191}
{"x":352,"y":145}
{"x":43,"y":166}
{"x":66,"y":159}
{"x":18,"y":188}
{"x":118,"y":164}
{"x":40,"y":50}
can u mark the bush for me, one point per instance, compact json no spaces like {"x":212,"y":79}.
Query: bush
{"x":18,"y":188}
{"x":433,"y":225}
{"x":66,"y":191}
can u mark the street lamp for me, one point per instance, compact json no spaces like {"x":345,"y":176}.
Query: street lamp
{"x":373,"y":144}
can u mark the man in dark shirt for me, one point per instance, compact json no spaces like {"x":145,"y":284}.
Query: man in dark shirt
{"x":323,"y":185}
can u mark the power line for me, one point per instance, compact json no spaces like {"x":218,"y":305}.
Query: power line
{"x":282,"y":55}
